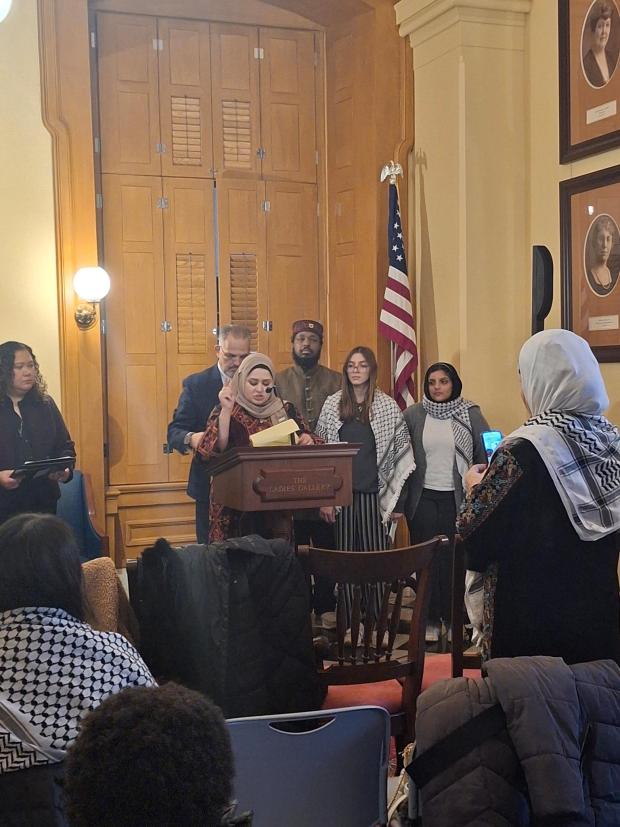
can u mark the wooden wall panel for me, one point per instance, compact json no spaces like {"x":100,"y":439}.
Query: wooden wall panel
{"x":64,"y":47}
{"x":191,"y":300}
{"x":128,"y":92}
{"x":236,"y":108}
{"x":185,"y":98}
{"x":292,"y":263}
{"x":242,"y":257}
{"x":136,"y":357}
{"x":288,"y":99}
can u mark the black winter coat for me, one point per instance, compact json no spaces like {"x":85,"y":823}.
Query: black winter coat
{"x":232,"y":620}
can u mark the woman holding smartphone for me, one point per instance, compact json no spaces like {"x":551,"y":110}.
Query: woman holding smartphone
{"x":446,"y":434}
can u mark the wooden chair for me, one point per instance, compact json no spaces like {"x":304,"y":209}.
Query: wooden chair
{"x":369,"y":674}
{"x":458,"y":662}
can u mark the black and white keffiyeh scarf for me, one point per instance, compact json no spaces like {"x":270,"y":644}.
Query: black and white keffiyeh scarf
{"x":582,"y":456}
{"x":53,"y":670}
{"x":394,"y":452}
{"x":565,"y":392}
{"x":457,"y":410}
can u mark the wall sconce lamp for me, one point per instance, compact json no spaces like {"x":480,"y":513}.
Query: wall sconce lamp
{"x":5,"y":8}
{"x":91,"y":284}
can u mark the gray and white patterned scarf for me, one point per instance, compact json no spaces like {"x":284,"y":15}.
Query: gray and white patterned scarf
{"x":394,"y":452}
{"x":457,"y":410}
{"x":53,"y":670}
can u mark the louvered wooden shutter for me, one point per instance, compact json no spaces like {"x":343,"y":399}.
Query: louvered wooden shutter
{"x":191,"y":285}
{"x":244,"y":292}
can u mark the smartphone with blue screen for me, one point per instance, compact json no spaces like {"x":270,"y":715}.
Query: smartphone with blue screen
{"x":490,"y":441}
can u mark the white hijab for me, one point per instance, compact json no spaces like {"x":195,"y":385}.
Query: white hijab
{"x":565,"y":392}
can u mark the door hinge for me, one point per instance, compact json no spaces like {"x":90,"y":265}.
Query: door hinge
{"x":158,"y":44}
{"x":261,"y":152}
{"x":105,"y":450}
{"x":162,"y":203}
{"x":165,"y":326}
{"x":160,"y":148}
{"x":99,"y":201}
{"x":259,"y":53}
{"x":166,"y":448}
{"x":318,"y":208}
{"x":316,"y":157}
{"x":103,"y":327}
{"x":268,"y":325}
{"x":266,"y":206}
{"x":97,"y":145}
{"x":93,"y":40}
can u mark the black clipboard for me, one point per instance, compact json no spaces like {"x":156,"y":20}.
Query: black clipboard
{"x":42,"y":467}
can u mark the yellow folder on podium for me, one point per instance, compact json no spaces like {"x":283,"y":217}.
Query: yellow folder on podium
{"x":279,"y":434}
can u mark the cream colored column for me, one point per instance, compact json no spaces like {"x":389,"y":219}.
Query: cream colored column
{"x":471,"y":252}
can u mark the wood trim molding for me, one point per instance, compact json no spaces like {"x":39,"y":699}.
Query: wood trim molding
{"x":66,"y":110}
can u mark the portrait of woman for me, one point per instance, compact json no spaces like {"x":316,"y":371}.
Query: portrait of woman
{"x":248,"y":404}
{"x":601,"y":267}
{"x":599,"y":51}
{"x":31,"y":428}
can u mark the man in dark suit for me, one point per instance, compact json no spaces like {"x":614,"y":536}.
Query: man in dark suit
{"x":198,"y":398}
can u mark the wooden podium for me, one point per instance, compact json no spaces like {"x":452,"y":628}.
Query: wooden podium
{"x":284,"y":478}
{"x":276,"y":481}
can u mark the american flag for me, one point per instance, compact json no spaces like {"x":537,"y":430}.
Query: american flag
{"x":396,"y":319}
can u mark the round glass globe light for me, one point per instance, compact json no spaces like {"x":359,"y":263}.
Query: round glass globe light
{"x":91,"y":283}
{"x":5,"y":8}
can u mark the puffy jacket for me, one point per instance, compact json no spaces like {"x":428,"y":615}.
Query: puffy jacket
{"x":232,"y":620}
{"x":32,"y":797}
{"x":556,"y":759}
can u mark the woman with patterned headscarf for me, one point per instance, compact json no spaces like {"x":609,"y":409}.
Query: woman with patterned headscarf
{"x":248,"y":404}
{"x":445,"y":432}
{"x":542,"y":522}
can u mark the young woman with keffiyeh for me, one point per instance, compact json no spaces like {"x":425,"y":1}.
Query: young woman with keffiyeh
{"x":542,"y":522}
{"x":445,"y":432}
{"x":360,"y":412}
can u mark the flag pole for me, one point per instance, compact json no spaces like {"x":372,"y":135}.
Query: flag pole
{"x":390,"y":171}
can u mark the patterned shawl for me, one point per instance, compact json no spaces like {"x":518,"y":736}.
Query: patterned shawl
{"x":53,"y":670}
{"x":394,"y":453}
{"x":564,"y":390}
{"x":457,"y":411}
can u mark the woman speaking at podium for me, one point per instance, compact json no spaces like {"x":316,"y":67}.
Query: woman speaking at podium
{"x":31,"y":428}
{"x":248,"y":404}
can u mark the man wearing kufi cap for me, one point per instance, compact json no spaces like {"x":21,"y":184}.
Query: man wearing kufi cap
{"x":307,"y":384}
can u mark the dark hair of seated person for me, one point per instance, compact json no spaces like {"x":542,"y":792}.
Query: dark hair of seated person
{"x":150,"y":756}
{"x":40,"y":565}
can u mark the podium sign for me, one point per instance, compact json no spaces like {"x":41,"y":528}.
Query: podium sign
{"x":287,"y":477}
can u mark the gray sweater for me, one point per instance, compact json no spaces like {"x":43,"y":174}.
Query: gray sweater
{"x":415,"y":417}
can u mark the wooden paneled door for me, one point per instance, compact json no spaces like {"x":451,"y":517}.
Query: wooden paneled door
{"x":235,"y":83}
{"x":191,"y":301}
{"x":242,"y":257}
{"x":136,"y":349}
{"x":292,"y":262}
{"x":185,"y":98}
{"x":288,"y":101}
{"x":128,"y":94}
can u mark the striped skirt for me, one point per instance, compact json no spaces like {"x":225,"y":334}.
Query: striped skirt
{"x":359,"y":528}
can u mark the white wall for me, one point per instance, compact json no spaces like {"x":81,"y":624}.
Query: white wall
{"x":28,"y":297}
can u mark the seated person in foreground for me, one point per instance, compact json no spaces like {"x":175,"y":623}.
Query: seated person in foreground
{"x":541,"y":522}
{"x":152,"y":756}
{"x":54,"y":668}
{"x":247,"y":405}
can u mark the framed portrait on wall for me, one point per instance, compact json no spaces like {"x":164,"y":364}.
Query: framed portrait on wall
{"x":590,"y":260}
{"x":589,"y":52}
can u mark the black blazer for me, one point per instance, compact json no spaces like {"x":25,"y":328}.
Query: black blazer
{"x":198,"y":398}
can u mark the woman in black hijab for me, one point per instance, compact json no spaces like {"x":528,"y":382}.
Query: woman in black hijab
{"x":446,"y":436}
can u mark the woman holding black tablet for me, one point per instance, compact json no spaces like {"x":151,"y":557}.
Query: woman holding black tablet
{"x":31,"y":428}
